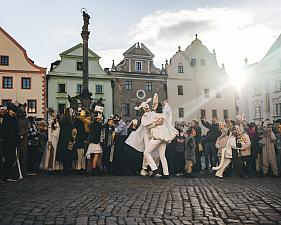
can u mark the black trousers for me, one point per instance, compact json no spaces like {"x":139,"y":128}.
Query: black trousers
{"x":179,"y":162}
{"x":67,"y":162}
{"x":32,"y":158}
{"x":237,"y":169}
{"x":9,"y":153}
{"x":106,"y":159}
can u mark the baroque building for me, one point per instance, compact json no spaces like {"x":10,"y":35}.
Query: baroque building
{"x":197,"y":86}
{"x":136,"y":79}
{"x":262,"y":93}
{"x":21,"y":80}
{"x":66,"y":77}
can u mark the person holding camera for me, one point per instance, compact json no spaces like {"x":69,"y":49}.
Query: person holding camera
{"x":268,"y":151}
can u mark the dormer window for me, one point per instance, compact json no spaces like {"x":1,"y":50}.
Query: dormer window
{"x":193,"y":62}
{"x":180,"y":68}
{"x":138,"y":66}
{"x":79,"y":66}
{"x":4,"y":60}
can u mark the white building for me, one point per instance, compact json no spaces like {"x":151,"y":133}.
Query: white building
{"x":66,"y":78}
{"x":262,"y":92}
{"x":197,"y":86}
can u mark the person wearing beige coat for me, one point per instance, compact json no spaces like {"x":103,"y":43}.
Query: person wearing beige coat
{"x":268,"y":151}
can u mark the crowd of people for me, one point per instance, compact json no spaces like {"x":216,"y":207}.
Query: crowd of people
{"x":85,"y":143}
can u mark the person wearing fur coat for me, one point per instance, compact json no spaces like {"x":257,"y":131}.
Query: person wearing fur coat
{"x":221,"y":142}
{"x":268,"y":151}
{"x":226,"y":153}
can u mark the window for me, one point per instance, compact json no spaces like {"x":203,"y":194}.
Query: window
{"x":225,"y":114}
{"x":214,"y":113}
{"x":138,"y":66}
{"x":7,"y":83}
{"x":61,"y":88}
{"x":79,"y":88}
{"x":257,"y":90}
{"x":61,"y":108}
{"x":180,"y":68}
{"x":6,"y":101}
{"x":31,"y":106}
{"x":99,"y":89}
{"x":258,"y":112}
{"x":203,"y":62}
{"x":129,"y":85}
{"x":203,"y":113}
{"x":278,"y":109}
{"x":277,"y":85}
{"x":180,"y":90}
{"x":218,"y":94}
{"x":25,"y":83}
{"x":206,"y":93}
{"x":193,"y":62}
{"x":126,"y":109}
{"x":148,"y":86}
{"x":79,"y":66}
{"x":181,"y":112}
{"x":4,"y":60}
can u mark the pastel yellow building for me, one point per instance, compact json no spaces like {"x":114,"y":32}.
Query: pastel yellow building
{"x":21,"y":81}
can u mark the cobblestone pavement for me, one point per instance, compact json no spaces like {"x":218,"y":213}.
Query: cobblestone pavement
{"x":138,"y":200}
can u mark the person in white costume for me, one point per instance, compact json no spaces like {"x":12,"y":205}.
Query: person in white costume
{"x":48,"y":160}
{"x":140,"y":138}
{"x":162,"y":132}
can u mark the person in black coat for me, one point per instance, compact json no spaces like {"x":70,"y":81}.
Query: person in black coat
{"x":64,"y":154}
{"x":10,"y":141}
{"x":107,"y":145}
{"x":2,"y":113}
{"x":210,"y":141}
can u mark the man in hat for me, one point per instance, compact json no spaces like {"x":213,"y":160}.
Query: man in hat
{"x":10,"y":141}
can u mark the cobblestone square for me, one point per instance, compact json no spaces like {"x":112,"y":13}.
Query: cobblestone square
{"x":54,"y":199}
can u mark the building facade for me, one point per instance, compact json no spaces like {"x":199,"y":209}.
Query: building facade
{"x":21,"y":80}
{"x":262,"y":92}
{"x":66,"y":78}
{"x":197,"y":86}
{"x":136,"y":79}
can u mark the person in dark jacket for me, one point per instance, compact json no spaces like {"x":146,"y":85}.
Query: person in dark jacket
{"x":10,"y":141}
{"x":94,"y":150}
{"x":2,"y":113}
{"x":64,"y":154}
{"x":23,"y":126}
{"x":210,"y":141}
{"x":33,"y":137}
{"x":107,"y":145}
{"x":80,"y":143}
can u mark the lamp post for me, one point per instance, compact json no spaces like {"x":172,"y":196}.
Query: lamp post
{"x":85,"y":96}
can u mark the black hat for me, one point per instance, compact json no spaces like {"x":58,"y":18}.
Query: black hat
{"x":13,"y":107}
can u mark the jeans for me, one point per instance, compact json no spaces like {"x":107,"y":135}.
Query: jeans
{"x":210,"y":155}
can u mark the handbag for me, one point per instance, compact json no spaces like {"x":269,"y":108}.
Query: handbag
{"x":200,"y":147}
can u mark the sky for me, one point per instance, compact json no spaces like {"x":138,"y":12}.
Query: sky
{"x":235,"y":29}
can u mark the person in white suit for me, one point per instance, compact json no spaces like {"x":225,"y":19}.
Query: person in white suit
{"x":162,"y":132}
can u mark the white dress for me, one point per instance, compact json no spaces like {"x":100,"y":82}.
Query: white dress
{"x":53,"y":137}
